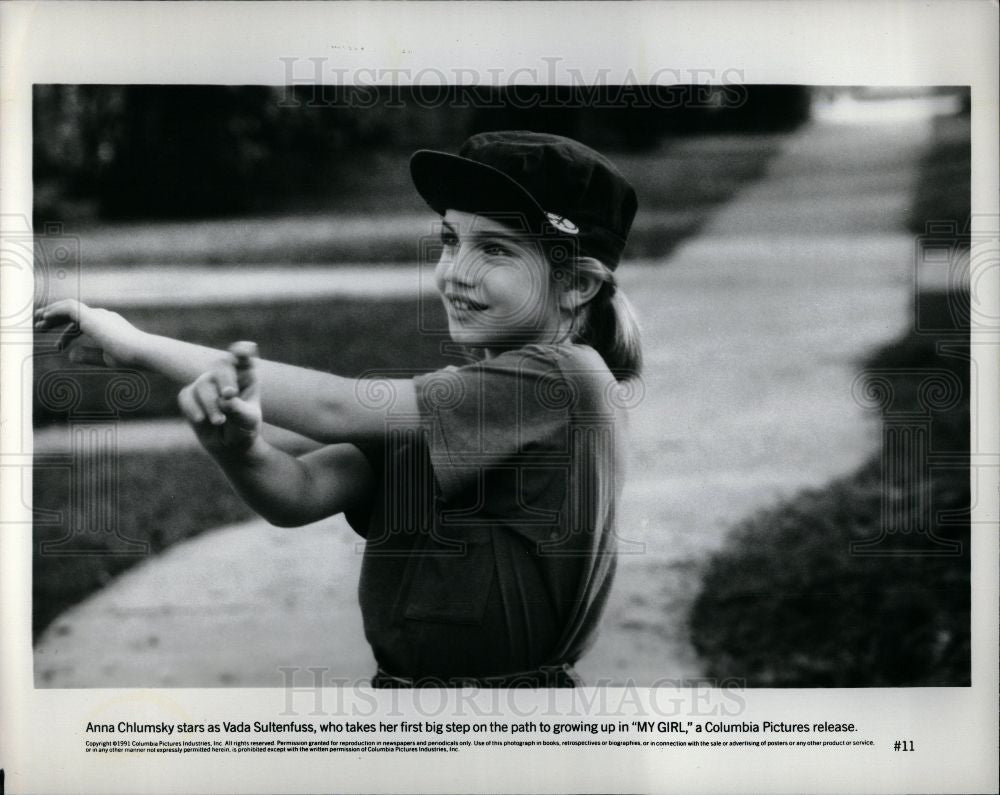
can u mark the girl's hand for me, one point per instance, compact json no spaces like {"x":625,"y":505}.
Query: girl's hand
{"x":94,"y":336}
{"x":223,"y":404}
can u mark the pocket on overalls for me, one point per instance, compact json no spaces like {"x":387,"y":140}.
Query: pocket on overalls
{"x":451,"y":579}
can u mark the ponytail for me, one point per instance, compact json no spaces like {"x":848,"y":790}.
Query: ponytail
{"x":608,"y":324}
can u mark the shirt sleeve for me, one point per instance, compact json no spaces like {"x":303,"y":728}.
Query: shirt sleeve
{"x":507,"y":410}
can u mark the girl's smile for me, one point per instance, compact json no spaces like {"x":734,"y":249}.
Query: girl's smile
{"x":462,"y":303}
{"x":496,"y":285}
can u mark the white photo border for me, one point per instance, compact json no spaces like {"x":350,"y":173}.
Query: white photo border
{"x":831,"y":42}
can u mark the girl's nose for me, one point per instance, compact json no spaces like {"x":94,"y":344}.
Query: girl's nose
{"x":444,"y":269}
{"x":449,"y":270}
{"x":455,"y":266}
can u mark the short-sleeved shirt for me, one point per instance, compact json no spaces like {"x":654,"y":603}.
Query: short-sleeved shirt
{"x":490,"y":540}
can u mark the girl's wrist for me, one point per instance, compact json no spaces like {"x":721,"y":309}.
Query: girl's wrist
{"x":249,"y":455}
{"x":142,"y":356}
{"x":179,"y":361}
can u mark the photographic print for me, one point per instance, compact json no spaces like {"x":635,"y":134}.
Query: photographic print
{"x":795,"y":508}
{"x":406,"y":402}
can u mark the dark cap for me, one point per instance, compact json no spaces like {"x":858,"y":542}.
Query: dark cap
{"x":560,"y":187}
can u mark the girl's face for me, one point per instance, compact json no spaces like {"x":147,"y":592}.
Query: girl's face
{"x":496,"y":285}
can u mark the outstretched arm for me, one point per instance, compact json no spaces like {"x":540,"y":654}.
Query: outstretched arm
{"x":318,"y":405}
{"x":285,"y":490}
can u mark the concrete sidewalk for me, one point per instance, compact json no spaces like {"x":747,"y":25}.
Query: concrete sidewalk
{"x":192,"y":285}
{"x":753,"y":330}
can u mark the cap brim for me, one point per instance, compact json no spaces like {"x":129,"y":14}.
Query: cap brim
{"x":449,"y":182}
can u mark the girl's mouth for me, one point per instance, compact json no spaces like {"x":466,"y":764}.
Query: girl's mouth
{"x":464,"y":303}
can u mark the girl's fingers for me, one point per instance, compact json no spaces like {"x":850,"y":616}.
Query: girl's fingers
{"x":206,"y":394}
{"x":57,"y":313}
{"x":224,"y":377}
{"x":235,"y":375}
{"x":244,"y":353}
{"x":67,"y":337}
{"x":216,"y":394}
{"x":242,"y":414}
{"x":244,"y":350}
{"x":189,"y":406}
{"x":60,"y":313}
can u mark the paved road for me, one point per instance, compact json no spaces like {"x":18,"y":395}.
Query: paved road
{"x":754,"y":330}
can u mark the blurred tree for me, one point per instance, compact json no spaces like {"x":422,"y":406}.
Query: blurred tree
{"x":637,"y":117}
{"x":179,"y":151}
{"x":194,"y":151}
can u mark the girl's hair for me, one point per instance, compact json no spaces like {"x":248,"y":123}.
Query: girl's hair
{"x":607,"y":323}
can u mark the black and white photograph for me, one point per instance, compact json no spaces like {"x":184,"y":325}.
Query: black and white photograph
{"x":784,"y":324}
{"x":662,"y":396}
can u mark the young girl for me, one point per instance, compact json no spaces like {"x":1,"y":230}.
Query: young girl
{"x":486,"y":493}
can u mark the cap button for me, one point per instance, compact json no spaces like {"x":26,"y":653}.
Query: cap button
{"x":562,"y":224}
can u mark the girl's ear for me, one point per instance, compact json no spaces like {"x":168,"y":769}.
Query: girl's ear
{"x":575,"y":289}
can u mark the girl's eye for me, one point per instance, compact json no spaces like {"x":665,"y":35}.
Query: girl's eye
{"x":495,"y":250}
{"x":449,"y":238}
